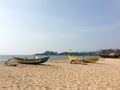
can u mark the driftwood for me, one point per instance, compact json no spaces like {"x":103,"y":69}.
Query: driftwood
{"x":11,"y":63}
{"x":15,"y":65}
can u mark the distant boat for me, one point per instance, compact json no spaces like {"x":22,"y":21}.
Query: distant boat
{"x":30,"y":61}
{"x":109,"y":55}
{"x":86,"y":59}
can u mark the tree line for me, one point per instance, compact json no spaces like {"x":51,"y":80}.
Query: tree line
{"x":92,"y":53}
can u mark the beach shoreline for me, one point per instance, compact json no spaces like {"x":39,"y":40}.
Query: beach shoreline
{"x":60,"y":75}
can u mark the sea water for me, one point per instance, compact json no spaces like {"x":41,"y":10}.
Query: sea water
{"x":52,"y":57}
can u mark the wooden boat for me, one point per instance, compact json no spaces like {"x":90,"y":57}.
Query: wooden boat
{"x":86,"y":59}
{"x":109,"y":56}
{"x":31,"y":61}
{"x":91,"y":60}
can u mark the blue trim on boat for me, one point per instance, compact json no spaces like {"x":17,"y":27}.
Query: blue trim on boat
{"x":24,"y":61}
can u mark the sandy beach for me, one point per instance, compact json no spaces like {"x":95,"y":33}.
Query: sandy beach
{"x":60,"y":75}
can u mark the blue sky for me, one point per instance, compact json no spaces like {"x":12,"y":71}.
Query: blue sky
{"x":34,"y":26}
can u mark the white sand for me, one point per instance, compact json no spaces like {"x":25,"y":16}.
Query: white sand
{"x":60,"y":75}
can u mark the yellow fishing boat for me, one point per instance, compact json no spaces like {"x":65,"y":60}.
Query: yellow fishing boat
{"x":85,"y":59}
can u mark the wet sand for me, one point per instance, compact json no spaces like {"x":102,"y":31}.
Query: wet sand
{"x":60,"y":75}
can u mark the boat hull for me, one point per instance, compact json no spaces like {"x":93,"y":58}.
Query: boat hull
{"x":31,"y":61}
{"x":91,"y":60}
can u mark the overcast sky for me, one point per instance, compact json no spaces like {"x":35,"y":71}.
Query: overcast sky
{"x":34,"y":26}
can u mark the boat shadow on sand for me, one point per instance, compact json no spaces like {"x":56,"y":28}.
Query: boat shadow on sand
{"x":18,"y":64}
{"x":98,"y":64}
{"x":41,"y":64}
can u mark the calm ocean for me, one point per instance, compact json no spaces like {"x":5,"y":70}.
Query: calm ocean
{"x":52,"y":57}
